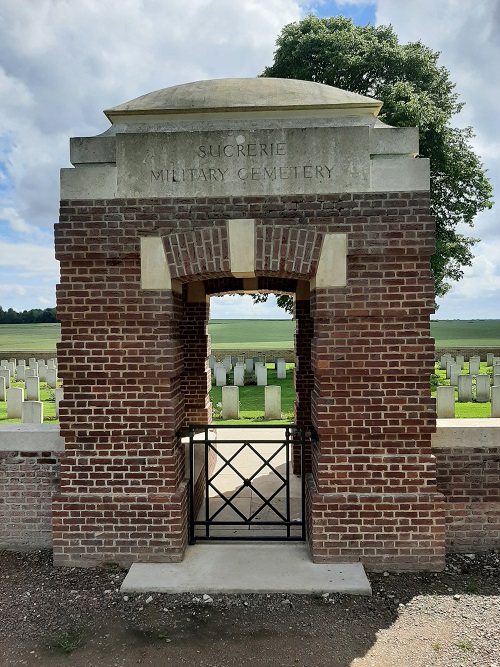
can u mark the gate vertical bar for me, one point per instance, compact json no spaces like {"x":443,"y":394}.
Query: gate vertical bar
{"x":207,"y":488}
{"x":192,"y":538}
{"x":303,"y":477}
{"x":287,"y":477}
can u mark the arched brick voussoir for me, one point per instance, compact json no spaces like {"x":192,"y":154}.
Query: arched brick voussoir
{"x":287,"y":251}
{"x":201,"y":252}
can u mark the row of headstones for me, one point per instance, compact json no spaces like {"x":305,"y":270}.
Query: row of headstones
{"x":240,"y":366}
{"x":455,"y":365}
{"x":29,"y":411}
{"x":468,"y":390}
{"x":231,"y":402}
{"x":445,"y":399}
{"x":19,"y":370}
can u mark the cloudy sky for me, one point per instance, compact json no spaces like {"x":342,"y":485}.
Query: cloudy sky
{"x":63,"y":61}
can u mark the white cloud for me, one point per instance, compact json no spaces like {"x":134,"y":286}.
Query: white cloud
{"x":62,"y":63}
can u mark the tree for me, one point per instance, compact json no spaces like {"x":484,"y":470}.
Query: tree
{"x":416,"y":91}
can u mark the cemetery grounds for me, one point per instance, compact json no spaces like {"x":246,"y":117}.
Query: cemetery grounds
{"x":268,"y":336}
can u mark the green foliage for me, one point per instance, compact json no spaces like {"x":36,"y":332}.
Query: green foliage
{"x":35,"y":316}
{"x":416,"y":91}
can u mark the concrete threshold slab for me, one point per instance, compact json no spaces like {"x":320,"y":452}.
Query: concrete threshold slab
{"x":247,"y":568}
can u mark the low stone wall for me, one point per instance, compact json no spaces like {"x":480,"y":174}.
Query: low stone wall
{"x":467,"y":352}
{"x":467,"y":455}
{"x":288,"y":355}
{"x":27,"y":354}
{"x":29,"y":471}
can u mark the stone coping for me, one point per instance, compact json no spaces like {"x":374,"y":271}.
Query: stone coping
{"x":450,"y":433}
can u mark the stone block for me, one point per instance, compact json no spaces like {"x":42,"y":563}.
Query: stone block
{"x":261,"y":372}
{"x":15,"y":400}
{"x":464,"y":388}
{"x":32,"y":412}
{"x":483,"y":388}
{"x":272,"y":402}
{"x":230,"y":403}
{"x":445,"y":402}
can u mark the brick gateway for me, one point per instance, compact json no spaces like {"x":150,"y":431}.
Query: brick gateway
{"x":244,"y":186}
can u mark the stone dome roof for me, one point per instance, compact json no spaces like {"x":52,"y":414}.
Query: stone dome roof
{"x":258,"y":94}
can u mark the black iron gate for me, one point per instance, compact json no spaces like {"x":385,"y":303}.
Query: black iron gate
{"x":242,"y":487}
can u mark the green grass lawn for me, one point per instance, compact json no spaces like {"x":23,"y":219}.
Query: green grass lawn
{"x":29,"y":337}
{"x":258,"y":334}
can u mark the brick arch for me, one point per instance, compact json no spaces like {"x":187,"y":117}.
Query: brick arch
{"x":285,"y":250}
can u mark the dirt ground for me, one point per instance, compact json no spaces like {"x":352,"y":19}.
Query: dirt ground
{"x":78,"y":617}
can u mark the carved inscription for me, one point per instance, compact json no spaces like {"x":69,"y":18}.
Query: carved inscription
{"x":233,"y":155}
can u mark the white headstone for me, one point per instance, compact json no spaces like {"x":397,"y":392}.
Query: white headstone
{"x":211,"y":362}
{"x":461,"y":361}
{"x":464,"y":388}
{"x":2,"y":388}
{"x":12,"y":368}
{"x":51,"y":378}
{"x":32,"y":412}
{"x":483,"y":388}
{"x":30,"y":373}
{"x":4,"y":362}
{"x":32,"y":389}
{"x":249,"y":365}
{"x":489,"y":358}
{"x":261,"y":372}
{"x":239,"y":375}
{"x":59,"y":395}
{"x":230,"y":403}
{"x":495,"y":401}
{"x":5,"y":373}
{"x":474,"y":366}
{"x":15,"y":400}
{"x":454,"y":373}
{"x":272,"y":402}
{"x":227,"y":363}
{"x":20,"y":373}
{"x":220,"y":376}
{"x":445,"y":402}
{"x":33,"y":366}
{"x":281,"y":370}
{"x":42,"y":372}
{"x":51,"y":364}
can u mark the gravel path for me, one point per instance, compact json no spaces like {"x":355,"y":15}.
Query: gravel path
{"x":67,"y":616}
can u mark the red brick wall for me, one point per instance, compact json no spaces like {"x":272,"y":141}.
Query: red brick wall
{"x":27,"y":484}
{"x":469,"y":478}
{"x":128,"y":381}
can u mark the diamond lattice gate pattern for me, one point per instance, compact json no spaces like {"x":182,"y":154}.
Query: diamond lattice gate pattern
{"x":242,"y":485}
